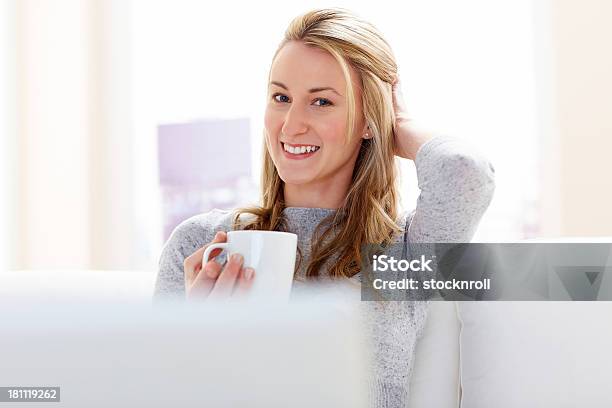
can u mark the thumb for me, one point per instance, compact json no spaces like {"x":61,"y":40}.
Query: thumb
{"x":399,"y":105}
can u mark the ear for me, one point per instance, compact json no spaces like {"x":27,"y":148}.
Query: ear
{"x":366,"y":134}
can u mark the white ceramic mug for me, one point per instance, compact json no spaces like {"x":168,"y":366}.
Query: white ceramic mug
{"x":270,"y":253}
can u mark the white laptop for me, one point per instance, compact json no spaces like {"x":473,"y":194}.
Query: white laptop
{"x":120,"y":355}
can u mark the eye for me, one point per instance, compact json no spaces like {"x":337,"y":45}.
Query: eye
{"x":280,"y":98}
{"x":322,"y":102}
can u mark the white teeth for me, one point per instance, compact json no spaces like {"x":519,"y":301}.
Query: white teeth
{"x":299,"y":149}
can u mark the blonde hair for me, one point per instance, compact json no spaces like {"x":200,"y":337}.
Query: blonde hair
{"x":369,"y":212}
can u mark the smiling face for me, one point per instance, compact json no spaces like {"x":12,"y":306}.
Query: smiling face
{"x":306,"y":118}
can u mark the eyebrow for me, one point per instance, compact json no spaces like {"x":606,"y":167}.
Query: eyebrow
{"x":311,"y":90}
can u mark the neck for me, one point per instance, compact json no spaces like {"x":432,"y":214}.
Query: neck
{"x":318,"y":194}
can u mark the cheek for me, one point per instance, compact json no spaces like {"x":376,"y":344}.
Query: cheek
{"x":273,"y":122}
{"x":333,"y":130}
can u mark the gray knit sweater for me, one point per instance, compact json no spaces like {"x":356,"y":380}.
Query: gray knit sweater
{"x":456,"y":186}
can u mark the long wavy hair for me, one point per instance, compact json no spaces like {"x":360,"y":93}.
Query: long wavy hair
{"x":370,"y":209}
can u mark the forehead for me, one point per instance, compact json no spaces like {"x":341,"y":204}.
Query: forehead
{"x":298,"y":65}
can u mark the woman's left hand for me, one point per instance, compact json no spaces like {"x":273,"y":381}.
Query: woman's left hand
{"x":408,"y":137}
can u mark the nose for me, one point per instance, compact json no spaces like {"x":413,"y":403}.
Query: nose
{"x":296,"y":122}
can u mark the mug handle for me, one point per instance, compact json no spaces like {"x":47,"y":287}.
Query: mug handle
{"x":210,"y":248}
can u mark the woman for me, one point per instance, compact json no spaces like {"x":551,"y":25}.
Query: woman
{"x":334,"y":122}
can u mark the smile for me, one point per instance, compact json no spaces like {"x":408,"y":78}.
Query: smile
{"x":299,"y":151}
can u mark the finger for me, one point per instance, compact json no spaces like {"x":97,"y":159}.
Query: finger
{"x":191,"y":266}
{"x":196,"y":283}
{"x":199,"y":289}
{"x":395,"y":80}
{"x":205,"y":280}
{"x":398,"y":97}
{"x":212,"y":270}
{"x":193,"y":263}
{"x":399,"y":105}
{"x":245,"y":281}
{"x":224,"y":286}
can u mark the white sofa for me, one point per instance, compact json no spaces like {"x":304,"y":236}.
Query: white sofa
{"x":76,"y":285}
{"x":516,"y":354}
{"x":472,"y":354}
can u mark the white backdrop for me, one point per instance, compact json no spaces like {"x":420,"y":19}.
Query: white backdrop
{"x":88,"y":81}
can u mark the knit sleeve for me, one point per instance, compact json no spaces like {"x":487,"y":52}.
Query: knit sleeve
{"x":457,"y":185}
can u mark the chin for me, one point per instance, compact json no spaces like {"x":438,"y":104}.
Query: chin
{"x":293,"y":177}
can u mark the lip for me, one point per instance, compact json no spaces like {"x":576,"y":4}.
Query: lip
{"x":297,"y":157}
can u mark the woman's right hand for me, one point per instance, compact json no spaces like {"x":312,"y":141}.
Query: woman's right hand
{"x":213,"y":281}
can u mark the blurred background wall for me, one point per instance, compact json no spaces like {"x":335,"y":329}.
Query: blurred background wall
{"x":88,"y":84}
{"x":68,"y":138}
{"x":576,"y":197}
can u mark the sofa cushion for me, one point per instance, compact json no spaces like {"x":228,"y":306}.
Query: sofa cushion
{"x":435,"y":376}
{"x":535,"y":354}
